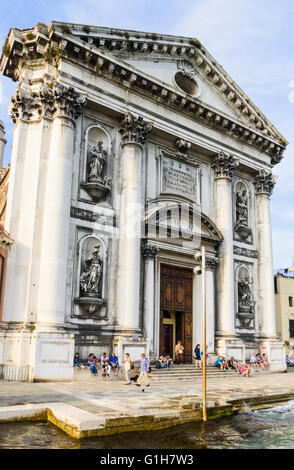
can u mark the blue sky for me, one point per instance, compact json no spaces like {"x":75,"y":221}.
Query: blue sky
{"x":253,"y":40}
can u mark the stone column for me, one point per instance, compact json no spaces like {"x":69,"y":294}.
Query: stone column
{"x":134,"y":130}
{"x":56,"y":213}
{"x":149,"y":253}
{"x":210,"y":304}
{"x":264,"y":184}
{"x":224,"y":165}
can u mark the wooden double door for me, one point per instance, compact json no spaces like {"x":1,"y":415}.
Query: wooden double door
{"x":176,"y":310}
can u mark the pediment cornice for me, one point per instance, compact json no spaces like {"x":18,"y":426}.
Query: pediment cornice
{"x":101,"y":50}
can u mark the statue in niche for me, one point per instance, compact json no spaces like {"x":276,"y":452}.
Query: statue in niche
{"x":245,"y":303}
{"x":96,"y":162}
{"x":91,"y":277}
{"x":241,"y":208}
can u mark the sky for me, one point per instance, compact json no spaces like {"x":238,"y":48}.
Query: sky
{"x":252,"y":39}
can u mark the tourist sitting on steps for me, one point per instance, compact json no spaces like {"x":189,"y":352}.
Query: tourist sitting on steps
{"x":93,"y":364}
{"x":222,"y":363}
{"x":77,"y":361}
{"x":169,"y":361}
{"x":245,"y":371}
{"x":161,"y":363}
{"x":234,"y":364}
{"x":264,"y":361}
{"x":113,"y":362}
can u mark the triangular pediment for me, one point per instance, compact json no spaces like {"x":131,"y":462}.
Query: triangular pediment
{"x":157,"y":55}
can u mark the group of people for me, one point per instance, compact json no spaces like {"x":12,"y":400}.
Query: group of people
{"x":106,"y":363}
{"x":111,"y":363}
{"x":256,"y":361}
{"x":164,"y":362}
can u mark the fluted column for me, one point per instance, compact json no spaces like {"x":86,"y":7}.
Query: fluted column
{"x":224,"y":165}
{"x":56,"y":211}
{"x":134,"y":130}
{"x":149,"y":253}
{"x":264,"y":184}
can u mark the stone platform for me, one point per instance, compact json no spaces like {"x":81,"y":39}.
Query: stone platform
{"x":90,"y":407}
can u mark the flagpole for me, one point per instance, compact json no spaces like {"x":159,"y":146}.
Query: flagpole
{"x":204,"y":392}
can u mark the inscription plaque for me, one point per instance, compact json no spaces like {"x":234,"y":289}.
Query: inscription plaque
{"x":179,"y":178}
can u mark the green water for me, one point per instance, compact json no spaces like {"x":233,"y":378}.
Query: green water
{"x":270,"y":429}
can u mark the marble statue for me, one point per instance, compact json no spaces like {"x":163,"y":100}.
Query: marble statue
{"x":92,"y":275}
{"x":241,"y":208}
{"x":97,"y":161}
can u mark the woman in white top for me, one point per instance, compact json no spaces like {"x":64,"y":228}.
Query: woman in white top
{"x":127,"y":365}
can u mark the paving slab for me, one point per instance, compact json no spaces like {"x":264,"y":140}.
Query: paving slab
{"x":92,"y":407}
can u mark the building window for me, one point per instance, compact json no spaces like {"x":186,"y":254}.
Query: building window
{"x":291,"y":328}
{"x":290,"y":301}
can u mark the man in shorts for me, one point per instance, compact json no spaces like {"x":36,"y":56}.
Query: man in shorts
{"x":143,"y":378}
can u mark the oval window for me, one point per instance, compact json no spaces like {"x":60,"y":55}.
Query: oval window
{"x":186,"y":84}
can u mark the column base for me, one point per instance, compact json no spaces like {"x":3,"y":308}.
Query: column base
{"x":229,"y":346}
{"x":127,"y":344}
{"x":36,"y":355}
{"x":276,"y":355}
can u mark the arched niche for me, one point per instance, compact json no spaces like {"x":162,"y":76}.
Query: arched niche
{"x":96,"y":173}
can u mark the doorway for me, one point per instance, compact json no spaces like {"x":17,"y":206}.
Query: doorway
{"x":175,"y":310}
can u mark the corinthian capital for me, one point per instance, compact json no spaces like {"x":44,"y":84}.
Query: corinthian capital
{"x":69,"y":101}
{"x":134,"y":129}
{"x":224,"y":164}
{"x":264,"y":183}
{"x":25,"y":106}
{"x":31,"y":106}
{"x":149,"y":251}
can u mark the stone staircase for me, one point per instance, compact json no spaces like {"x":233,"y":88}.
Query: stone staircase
{"x":186,"y":373}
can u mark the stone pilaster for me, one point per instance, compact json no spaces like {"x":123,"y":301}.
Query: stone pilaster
{"x":134,"y":130}
{"x":264,"y":183}
{"x":224,"y":166}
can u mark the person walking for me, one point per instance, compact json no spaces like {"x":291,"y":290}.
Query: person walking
{"x":179,"y":350}
{"x":197,"y":356}
{"x":127,"y":366}
{"x":143,"y":377}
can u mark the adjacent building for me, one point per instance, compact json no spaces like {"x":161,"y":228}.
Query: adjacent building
{"x":284,"y":299}
{"x":132,"y":150}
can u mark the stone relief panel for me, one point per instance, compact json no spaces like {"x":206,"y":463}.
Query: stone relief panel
{"x":96,"y":180}
{"x":245,"y":304}
{"x":241,"y":212}
{"x":91,"y":277}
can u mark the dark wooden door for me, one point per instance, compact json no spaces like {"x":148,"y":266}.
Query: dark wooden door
{"x":176,"y":295}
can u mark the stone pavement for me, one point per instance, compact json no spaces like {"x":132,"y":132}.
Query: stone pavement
{"x":116,"y":407}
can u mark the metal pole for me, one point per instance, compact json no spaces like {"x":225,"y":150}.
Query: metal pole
{"x":204,"y":332}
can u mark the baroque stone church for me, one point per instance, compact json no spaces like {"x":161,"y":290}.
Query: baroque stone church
{"x":132,"y":150}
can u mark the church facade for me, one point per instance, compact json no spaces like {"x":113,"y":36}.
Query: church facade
{"x":131,"y":151}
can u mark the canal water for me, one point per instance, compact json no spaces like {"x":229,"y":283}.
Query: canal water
{"x":271,"y":429}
